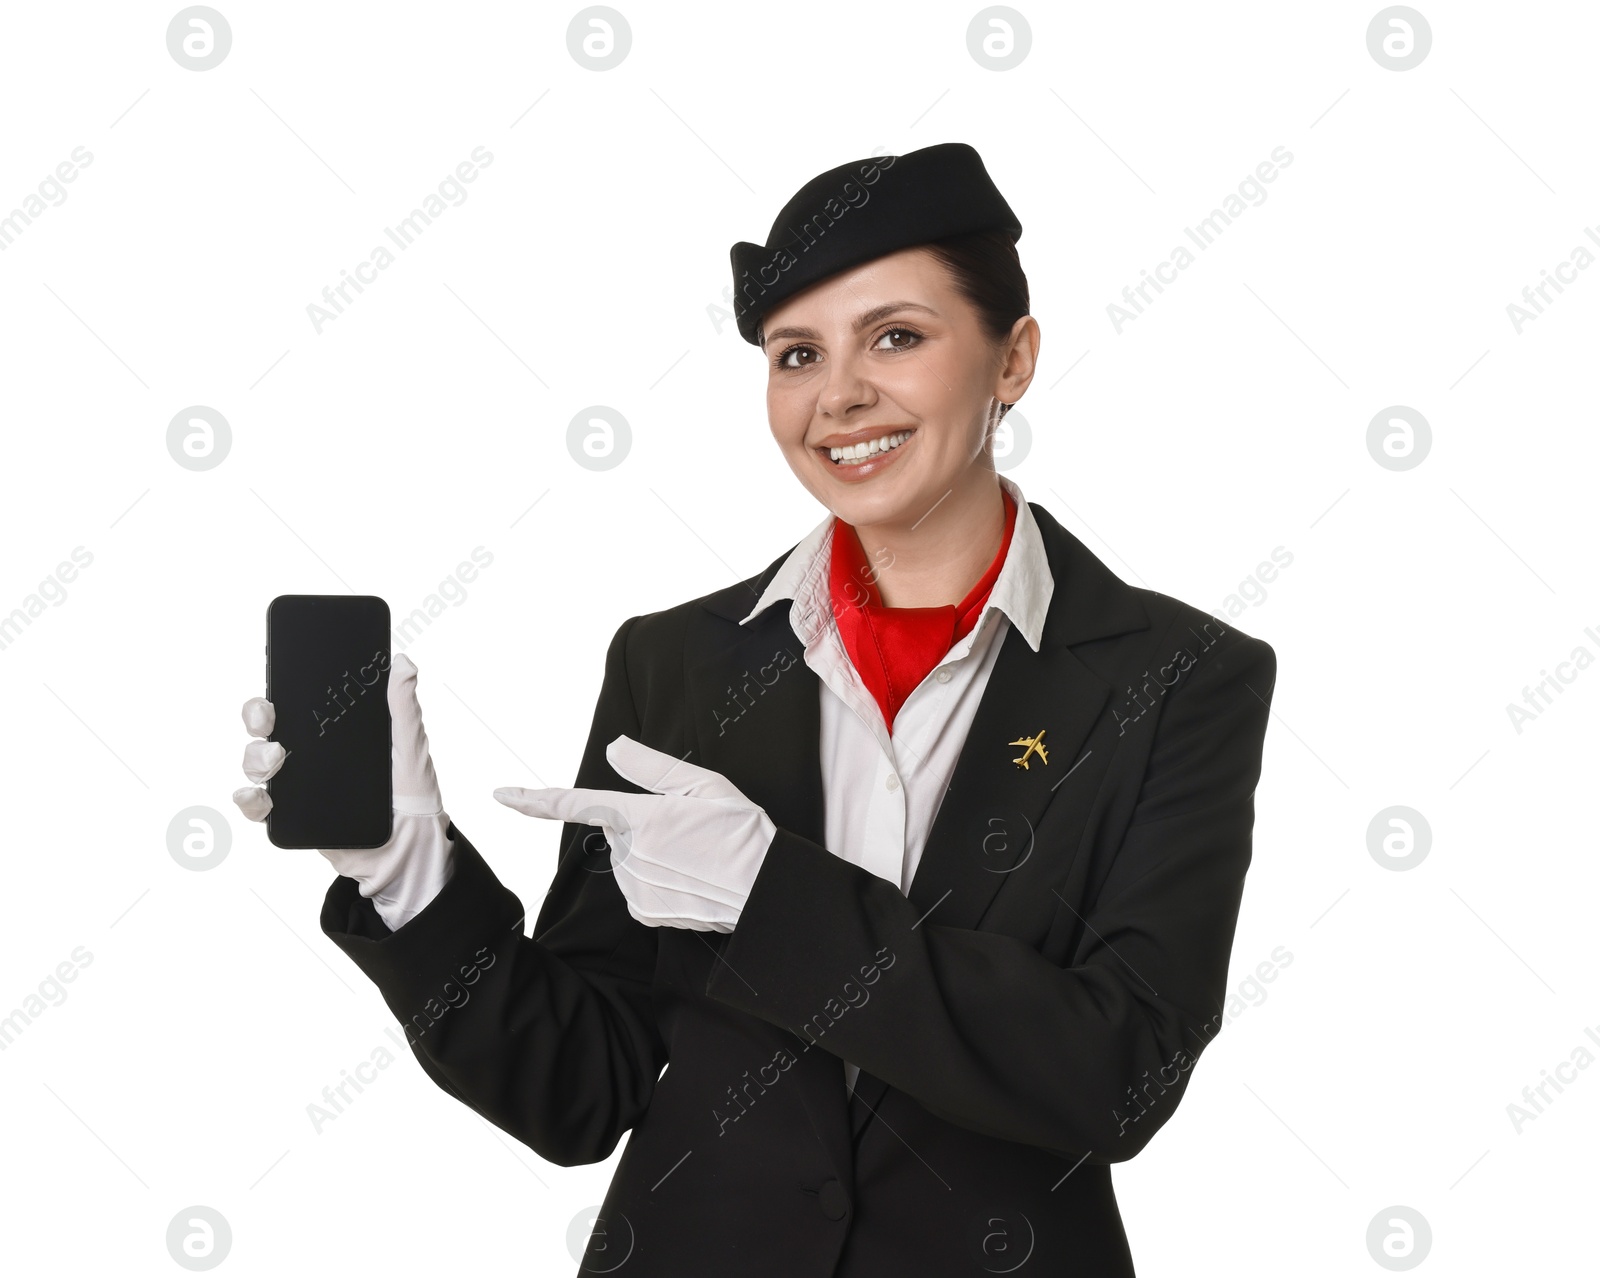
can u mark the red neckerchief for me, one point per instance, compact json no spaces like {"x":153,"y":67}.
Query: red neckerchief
{"x":893,"y":649}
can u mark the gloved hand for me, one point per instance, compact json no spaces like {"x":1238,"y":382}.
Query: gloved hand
{"x":685,"y":856}
{"x":408,"y":871}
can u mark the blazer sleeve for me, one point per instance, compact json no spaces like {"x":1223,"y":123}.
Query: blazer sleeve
{"x":551,"y":1038}
{"x":981,"y":1029}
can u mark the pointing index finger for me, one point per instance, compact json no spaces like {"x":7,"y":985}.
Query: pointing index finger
{"x":609,"y":808}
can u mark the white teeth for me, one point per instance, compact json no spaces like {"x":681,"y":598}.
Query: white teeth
{"x":870,"y":448}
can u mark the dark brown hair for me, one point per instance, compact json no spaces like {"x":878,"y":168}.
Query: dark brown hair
{"x":986,"y":270}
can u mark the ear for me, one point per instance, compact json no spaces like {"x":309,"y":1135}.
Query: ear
{"x":1021,"y":360}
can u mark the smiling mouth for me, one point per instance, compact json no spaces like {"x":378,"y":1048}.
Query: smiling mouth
{"x":869,"y":450}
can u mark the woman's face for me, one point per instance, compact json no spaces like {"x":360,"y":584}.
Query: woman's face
{"x":888,"y":353}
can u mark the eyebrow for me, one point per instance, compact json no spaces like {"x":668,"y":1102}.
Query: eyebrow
{"x":862,"y":321}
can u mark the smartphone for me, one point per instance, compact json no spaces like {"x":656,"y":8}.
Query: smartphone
{"x":328,"y":681}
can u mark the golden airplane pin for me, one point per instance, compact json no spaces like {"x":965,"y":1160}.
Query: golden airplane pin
{"x":1035,"y":745}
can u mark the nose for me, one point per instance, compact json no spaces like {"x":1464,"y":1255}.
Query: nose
{"x":845,"y":385}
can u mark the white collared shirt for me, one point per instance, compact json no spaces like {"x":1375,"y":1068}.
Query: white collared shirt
{"x":881,"y":793}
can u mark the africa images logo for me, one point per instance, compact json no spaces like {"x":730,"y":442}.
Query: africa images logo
{"x":805,"y":235}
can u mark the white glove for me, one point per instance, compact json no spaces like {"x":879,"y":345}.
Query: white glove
{"x":685,"y":856}
{"x":410,"y":869}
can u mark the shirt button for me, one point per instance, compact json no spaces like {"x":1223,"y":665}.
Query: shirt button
{"x":893,"y":782}
{"x":831,"y":1199}
{"x":942,"y":675}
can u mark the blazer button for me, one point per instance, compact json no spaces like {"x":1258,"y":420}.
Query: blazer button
{"x":832,"y":1201}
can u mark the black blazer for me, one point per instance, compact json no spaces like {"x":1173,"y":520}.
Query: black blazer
{"x":1026,"y":1018}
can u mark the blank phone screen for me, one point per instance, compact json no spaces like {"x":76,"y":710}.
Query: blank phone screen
{"x":328,"y":680}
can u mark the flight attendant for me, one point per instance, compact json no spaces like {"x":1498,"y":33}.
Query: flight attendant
{"x":897,"y":887}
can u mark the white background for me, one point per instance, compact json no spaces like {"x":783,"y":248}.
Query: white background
{"x":431,"y":418}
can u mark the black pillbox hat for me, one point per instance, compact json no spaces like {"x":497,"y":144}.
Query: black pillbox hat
{"x":860,"y":211}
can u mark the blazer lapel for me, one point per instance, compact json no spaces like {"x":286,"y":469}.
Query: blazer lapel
{"x":757,"y":716}
{"x":757,"y":720}
{"x":984,"y":826}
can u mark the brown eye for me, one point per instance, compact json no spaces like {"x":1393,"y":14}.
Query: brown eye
{"x":903,"y":332}
{"x":782,"y":361}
